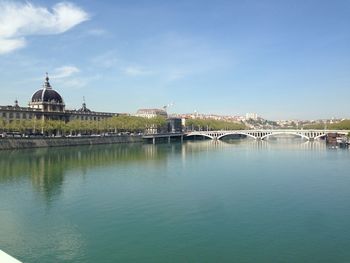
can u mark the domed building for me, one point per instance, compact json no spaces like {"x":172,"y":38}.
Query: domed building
{"x":47,"y":99}
{"x":47,"y":104}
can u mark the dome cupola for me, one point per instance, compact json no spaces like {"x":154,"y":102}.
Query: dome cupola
{"x":47,"y":94}
{"x":47,"y":98}
{"x":83,"y":107}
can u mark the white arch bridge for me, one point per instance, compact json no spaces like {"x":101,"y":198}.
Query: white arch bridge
{"x":263,"y":134}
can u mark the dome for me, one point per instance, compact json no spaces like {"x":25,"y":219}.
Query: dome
{"x":47,"y":94}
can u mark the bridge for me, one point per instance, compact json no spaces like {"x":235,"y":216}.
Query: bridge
{"x":167,"y":136}
{"x":263,"y":134}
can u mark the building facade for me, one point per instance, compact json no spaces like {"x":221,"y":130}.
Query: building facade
{"x":174,"y":125}
{"x":48,"y":104}
{"x":151,"y":113}
{"x":253,"y":116}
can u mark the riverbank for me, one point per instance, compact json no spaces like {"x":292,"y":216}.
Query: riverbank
{"x":25,"y":143}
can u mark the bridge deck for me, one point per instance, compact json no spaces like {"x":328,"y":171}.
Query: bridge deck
{"x":162,"y":135}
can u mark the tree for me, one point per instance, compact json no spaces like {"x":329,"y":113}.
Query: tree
{"x":32,"y":125}
{"x":49,"y":126}
{"x":72,"y":127}
{"x":210,"y":124}
{"x":157,"y":124}
{"x":2,"y":124}
{"x":342,"y":125}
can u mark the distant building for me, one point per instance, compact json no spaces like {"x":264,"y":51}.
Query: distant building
{"x":174,"y":125}
{"x":252,"y":116}
{"x":48,"y":104}
{"x":151,"y":113}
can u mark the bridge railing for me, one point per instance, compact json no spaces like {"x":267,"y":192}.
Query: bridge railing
{"x":262,"y":134}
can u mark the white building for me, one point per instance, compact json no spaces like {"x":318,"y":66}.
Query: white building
{"x":151,"y":113}
{"x":252,"y":116}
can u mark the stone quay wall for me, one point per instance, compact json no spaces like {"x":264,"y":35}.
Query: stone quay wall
{"x":25,"y":143}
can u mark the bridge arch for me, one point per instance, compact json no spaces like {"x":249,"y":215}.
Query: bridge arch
{"x":287,"y":133}
{"x":320,"y":136}
{"x":236,"y":133}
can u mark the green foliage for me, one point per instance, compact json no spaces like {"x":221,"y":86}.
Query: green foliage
{"x":211,"y":125}
{"x":115,"y":124}
{"x":342,"y":125}
{"x":314,"y":126}
{"x":2,"y":124}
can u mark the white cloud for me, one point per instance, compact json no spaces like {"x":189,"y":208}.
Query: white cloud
{"x":64,"y":72}
{"x":8,"y":45}
{"x":18,"y":20}
{"x":77,"y":82}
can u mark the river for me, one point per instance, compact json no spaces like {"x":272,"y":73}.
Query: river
{"x":203,"y":201}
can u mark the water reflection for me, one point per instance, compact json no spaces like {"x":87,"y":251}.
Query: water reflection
{"x":47,"y":168}
{"x":109,"y":203}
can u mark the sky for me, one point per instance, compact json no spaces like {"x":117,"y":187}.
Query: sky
{"x":280,"y":59}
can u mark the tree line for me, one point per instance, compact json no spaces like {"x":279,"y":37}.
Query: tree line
{"x":342,"y":125}
{"x":213,"y":125}
{"x":115,"y":124}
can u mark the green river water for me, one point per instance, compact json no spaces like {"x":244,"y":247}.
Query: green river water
{"x":201,"y":201}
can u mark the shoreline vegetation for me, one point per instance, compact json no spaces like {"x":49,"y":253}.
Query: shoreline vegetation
{"x":117,"y":125}
{"x":213,"y":125}
{"x":125,"y":125}
{"x":342,"y":125}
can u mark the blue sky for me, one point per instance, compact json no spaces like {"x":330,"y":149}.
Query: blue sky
{"x":281,"y":59}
